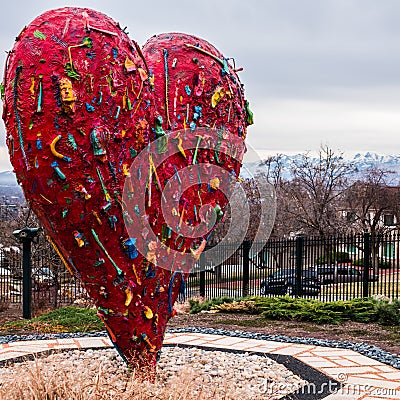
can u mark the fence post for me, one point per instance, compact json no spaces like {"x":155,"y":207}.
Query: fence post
{"x":26,"y":236}
{"x":299,"y":263}
{"x":202,"y":274}
{"x":26,"y":280}
{"x":367,"y":255}
{"x":246,"y":267}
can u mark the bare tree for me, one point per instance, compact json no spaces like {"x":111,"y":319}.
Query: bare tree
{"x":369,"y":199}
{"x":272,"y":169}
{"x":371,"y":205}
{"x":252,"y":205}
{"x":309,"y":199}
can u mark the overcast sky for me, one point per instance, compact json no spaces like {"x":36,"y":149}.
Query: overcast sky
{"x":315,"y":72}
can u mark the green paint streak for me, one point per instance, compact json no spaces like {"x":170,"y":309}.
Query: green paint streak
{"x":39,"y":35}
{"x":96,"y":238}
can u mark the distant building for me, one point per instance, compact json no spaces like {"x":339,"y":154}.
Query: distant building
{"x":9,"y":211}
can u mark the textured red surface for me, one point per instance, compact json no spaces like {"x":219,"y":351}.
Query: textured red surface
{"x":73,"y":131}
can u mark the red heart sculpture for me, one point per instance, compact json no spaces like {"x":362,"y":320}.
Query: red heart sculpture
{"x":82,"y":107}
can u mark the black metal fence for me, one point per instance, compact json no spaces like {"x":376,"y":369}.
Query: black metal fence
{"x":52,"y":285}
{"x":331,"y":268}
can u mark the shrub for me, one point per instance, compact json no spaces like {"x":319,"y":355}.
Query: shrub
{"x":359,"y":262}
{"x":387,"y":312}
{"x":341,"y":257}
{"x":197,"y":305}
{"x":299,"y":309}
{"x":321,"y":260}
{"x":288,"y":308}
{"x":334,"y":257}
{"x":384,"y":264}
{"x":238,"y":307}
{"x":381,"y":264}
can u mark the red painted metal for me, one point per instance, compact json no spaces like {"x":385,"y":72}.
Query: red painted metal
{"x":82,"y":100}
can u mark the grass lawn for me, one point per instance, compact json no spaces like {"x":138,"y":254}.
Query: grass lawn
{"x":65,"y":319}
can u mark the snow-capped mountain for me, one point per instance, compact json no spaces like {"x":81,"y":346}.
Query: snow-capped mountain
{"x":10,"y":191}
{"x":7,"y":178}
{"x":368,"y":160}
{"x":360,"y":162}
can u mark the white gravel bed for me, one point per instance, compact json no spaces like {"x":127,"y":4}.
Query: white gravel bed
{"x":225,"y":375}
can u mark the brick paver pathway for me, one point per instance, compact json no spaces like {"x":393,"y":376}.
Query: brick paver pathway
{"x":363,"y":377}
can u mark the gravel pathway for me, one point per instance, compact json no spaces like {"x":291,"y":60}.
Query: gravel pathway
{"x":368,"y":350}
{"x":206,"y":374}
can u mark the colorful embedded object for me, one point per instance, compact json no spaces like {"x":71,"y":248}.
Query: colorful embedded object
{"x":130,"y":248}
{"x":82,"y":101}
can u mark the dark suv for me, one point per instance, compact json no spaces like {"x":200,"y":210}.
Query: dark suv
{"x":284,"y":281}
{"x":342,"y":274}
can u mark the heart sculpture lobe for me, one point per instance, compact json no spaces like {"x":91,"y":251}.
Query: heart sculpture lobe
{"x":82,"y":103}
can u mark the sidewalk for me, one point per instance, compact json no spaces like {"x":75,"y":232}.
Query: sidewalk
{"x":363,"y":378}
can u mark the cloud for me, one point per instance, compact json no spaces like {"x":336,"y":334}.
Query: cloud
{"x":5,"y":164}
{"x":288,"y":125}
{"x":316,"y":70}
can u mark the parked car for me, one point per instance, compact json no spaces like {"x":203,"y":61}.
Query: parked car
{"x":42,"y":278}
{"x":284,"y":281}
{"x":341,"y":274}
